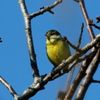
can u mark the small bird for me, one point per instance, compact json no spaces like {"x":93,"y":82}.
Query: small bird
{"x":56,"y":48}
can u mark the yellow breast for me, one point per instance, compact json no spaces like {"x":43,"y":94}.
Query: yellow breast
{"x":57,"y":52}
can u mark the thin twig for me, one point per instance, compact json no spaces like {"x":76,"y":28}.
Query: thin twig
{"x":92,"y":24}
{"x":80,"y":38}
{"x":77,"y":61}
{"x":70,"y":44}
{"x":8,"y":86}
{"x":95,"y":81}
{"x":78,"y":45}
{"x":85,"y":14}
{"x":46,"y":9}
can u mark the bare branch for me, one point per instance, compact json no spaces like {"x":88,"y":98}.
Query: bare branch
{"x":80,"y":38}
{"x":77,"y":49}
{"x":83,"y":8}
{"x":92,"y":68}
{"x":79,"y":76}
{"x":92,"y":24}
{"x":77,"y":61}
{"x":30,"y":44}
{"x":8,"y":86}
{"x":95,"y":81}
{"x":87,"y":80}
{"x":46,"y":9}
{"x":40,"y":81}
{"x":70,"y":44}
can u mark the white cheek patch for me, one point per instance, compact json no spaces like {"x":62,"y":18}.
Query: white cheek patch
{"x":53,"y":39}
{"x":56,"y":37}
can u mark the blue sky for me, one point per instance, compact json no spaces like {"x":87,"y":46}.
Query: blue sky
{"x":14,"y":58}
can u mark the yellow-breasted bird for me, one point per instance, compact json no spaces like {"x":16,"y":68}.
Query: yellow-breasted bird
{"x":56,"y":48}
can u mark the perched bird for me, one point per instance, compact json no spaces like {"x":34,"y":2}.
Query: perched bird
{"x":56,"y":48}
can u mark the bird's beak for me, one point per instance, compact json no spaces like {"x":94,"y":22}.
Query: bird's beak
{"x":47,"y":37}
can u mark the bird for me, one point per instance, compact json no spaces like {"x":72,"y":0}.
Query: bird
{"x":57,"y":49}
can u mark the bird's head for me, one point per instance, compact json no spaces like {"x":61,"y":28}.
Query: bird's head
{"x":52,"y":36}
